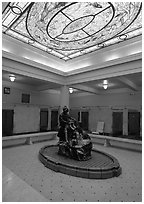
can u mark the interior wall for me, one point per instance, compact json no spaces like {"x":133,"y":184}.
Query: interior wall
{"x":101,"y":107}
{"x":103,"y":114}
{"x":36,"y":98}
{"x":26,"y":119}
{"x":27,"y":116}
{"x":110,"y":99}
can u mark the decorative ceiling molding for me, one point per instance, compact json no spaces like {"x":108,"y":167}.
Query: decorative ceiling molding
{"x":85,"y":88}
{"x":118,"y":70}
{"x":129,"y":83}
{"x":23,"y":69}
{"x":68,"y":30}
{"x":48,"y":86}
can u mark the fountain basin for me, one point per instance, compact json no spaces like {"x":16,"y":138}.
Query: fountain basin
{"x":100,"y":166}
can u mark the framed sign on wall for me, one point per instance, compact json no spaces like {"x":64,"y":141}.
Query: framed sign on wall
{"x":25,"y":98}
{"x":6,"y":90}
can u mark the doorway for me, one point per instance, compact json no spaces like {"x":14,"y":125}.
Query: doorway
{"x":43,"y":120}
{"x":117,"y":123}
{"x":54,"y":120}
{"x":7,"y":122}
{"x":134,"y":123}
{"x":74,"y":114}
{"x":84,"y":120}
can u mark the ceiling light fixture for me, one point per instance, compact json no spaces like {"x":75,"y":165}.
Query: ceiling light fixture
{"x":12,"y":77}
{"x":105,"y":84}
{"x":71,"y":90}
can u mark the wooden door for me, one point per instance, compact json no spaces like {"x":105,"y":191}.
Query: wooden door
{"x":85,"y":120}
{"x":117,"y":126}
{"x":134,"y":123}
{"x":54,"y":120}
{"x":7,"y":122}
{"x":43,"y":120}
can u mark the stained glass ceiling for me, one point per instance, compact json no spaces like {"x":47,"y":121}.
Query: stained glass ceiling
{"x":72,"y":29}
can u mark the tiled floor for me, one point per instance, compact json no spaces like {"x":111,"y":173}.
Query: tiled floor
{"x":15,"y":189}
{"x":22,"y":167}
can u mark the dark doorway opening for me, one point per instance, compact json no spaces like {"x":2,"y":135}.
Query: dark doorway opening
{"x":7,"y":122}
{"x":134,"y":123}
{"x":54,"y":120}
{"x":74,"y":114}
{"x":43,"y":120}
{"x":117,"y":121}
{"x":84,"y":120}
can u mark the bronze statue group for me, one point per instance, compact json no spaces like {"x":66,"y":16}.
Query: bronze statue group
{"x":73,"y":141}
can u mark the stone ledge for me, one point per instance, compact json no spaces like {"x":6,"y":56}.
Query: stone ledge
{"x":28,"y":138}
{"x":124,"y":143}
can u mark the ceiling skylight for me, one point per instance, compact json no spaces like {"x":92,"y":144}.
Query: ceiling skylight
{"x":71,"y":29}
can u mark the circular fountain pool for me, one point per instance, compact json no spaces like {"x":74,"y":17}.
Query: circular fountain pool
{"x":100,"y":166}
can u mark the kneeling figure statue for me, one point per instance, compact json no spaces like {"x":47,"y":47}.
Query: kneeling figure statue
{"x":73,"y":142}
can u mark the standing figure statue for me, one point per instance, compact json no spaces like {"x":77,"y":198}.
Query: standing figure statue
{"x":64,"y":121}
{"x":73,"y":142}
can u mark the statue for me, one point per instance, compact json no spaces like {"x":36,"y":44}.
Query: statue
{"x":73,"y":142}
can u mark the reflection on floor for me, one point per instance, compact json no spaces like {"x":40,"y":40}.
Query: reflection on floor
{"x":26,"y":179}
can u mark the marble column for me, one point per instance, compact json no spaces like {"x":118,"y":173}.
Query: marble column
{"x":80,"y":116}
{"x":125,"y":121}
{"x":49,"y":119}
{"x":64,"y":97}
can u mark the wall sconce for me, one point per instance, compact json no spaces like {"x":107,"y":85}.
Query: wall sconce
{"x":71,"y":90}
{"x":12,"y":77}
{"x":105,"y":84}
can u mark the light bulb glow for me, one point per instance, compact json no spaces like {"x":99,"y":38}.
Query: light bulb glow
{"x":71,"y":90}
{"x":105,"y":84}
{"x":12,"y":78}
